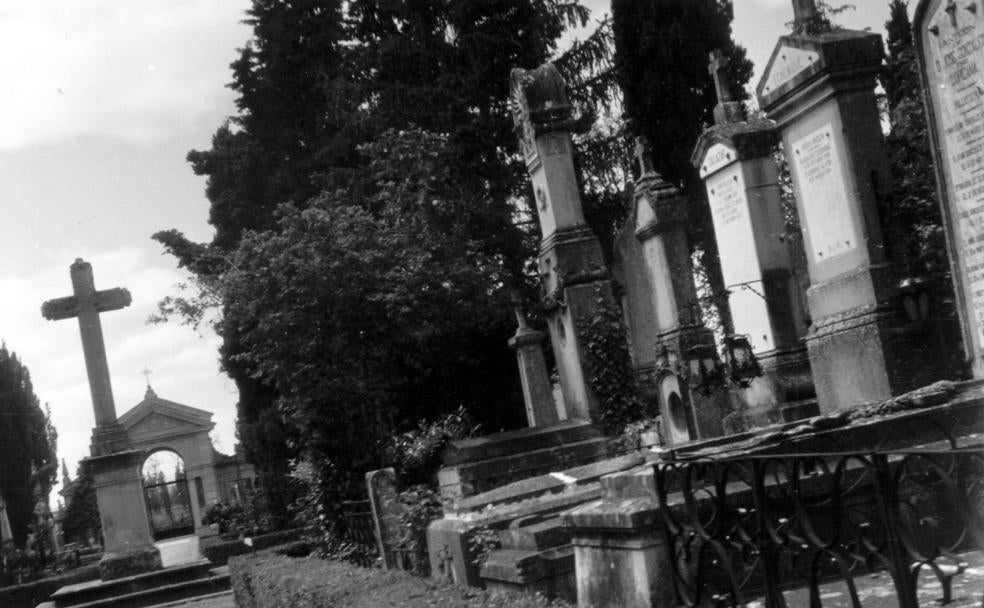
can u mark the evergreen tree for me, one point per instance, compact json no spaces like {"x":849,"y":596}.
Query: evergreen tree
{"x":318,"y":79}
{"x":662,"y":49}
{"x":82,"y":513}
{"x":26,"y":444}
{"x":912,"y":208}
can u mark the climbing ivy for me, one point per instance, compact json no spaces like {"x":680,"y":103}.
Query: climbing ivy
{"x":609,"y":366}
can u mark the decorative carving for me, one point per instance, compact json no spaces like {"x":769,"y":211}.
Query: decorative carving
{"x":539,"y":104}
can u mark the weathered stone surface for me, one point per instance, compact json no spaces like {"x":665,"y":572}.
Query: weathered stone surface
{"x":820,"y":91}
{"x":384,"y":499}
{"x":127,"y":563}
{"x":951,"y":62}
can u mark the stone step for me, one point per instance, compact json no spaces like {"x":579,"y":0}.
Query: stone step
{"x":142,"y":590}
{"x":516,"y":442}
{"x":495,"y":472}
{"x":549,"y":483}
{"x":535,"y":534}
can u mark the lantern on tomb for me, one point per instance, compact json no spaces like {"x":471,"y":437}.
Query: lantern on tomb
{"x":743,"y":366}
{"x":705,"y":371}
{"x":913,"y":299}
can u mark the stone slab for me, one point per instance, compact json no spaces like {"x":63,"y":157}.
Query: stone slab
{"x":91,"y":591}
{"x":514,"y":442}
{"x":536,"y":536}
{"x":513,"y":492}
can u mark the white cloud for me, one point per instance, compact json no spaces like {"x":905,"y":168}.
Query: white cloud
{"x":117,"y":68}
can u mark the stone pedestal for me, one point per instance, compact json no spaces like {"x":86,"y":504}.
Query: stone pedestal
{"x":620,"y":551}
{"x":820,"y":91}
{"x":109,"y":439}
{"x":129,"y":547}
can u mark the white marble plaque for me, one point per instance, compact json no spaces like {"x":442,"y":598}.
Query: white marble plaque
{"x":819,"y":174}
{"x":740,"y":265}
{"x":953,"y":47}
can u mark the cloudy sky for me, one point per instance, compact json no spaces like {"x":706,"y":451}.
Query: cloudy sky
{"x":99,"y":103}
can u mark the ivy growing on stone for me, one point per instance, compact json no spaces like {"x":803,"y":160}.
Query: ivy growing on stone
{"x":609,"y":365}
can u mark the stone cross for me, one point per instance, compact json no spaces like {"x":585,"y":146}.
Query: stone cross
{"x":718,"y":71}
{"x":804,"y":11}
{"x":86,"y":303}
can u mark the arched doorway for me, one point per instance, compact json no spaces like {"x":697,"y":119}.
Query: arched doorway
{"x":674,"y":412}
{"x":166,"y":495}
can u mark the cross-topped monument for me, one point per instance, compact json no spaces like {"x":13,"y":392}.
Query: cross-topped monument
{"x":804,"y":13}
{"x":86,"y":303}
{"x":114,"y":465}
{"x":727,"y":110}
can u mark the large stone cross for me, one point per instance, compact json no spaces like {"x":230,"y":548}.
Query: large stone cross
{"x":86,"y":304}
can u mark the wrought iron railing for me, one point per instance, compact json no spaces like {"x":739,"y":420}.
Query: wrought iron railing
{"x":746,"y":528}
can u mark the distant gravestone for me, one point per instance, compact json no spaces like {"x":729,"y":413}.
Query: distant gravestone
{"x":950,"y":47}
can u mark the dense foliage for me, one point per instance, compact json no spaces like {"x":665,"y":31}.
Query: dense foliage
{"x":81,"y":519}
{"x":912,"y":207}
{"x":360,"y":271}
{"x":27,"y":445}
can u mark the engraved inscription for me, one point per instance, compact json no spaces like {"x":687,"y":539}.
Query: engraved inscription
{"x":954,"y":60}
{"x":823,"y":193}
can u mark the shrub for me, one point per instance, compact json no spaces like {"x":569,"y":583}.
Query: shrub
{"x":270,"y":581}
{"x":219,"y":551}
{"x":29,"y":595}
{"x":421,"y":505}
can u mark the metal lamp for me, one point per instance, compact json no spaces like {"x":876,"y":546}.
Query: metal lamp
{"x":743,"y":366}
{"x":914,"y":299}
{"x":706,"y":374}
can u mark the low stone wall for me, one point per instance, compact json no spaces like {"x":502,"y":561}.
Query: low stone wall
{"x":29,"y":595}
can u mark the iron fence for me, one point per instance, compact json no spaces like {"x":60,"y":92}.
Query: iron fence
{"x":746,"y":528}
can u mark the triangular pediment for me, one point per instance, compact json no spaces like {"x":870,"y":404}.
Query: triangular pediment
{"x":788,"y":62}
{"x":155,"y":417}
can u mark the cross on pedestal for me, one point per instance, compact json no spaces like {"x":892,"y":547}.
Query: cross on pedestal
{"x":86,"y":303}
{"x":804,"y":12}
{"x":717,"y":68}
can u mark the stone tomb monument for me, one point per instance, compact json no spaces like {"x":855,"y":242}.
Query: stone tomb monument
{"x":734,"y":158}
{"x":820,"y":91}
{"x":114,"y":465}
{"x":658,"y":224}
{"x":949,"y":40}
{"x":571,"y":265}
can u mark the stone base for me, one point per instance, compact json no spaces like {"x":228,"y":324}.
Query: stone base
{"x":129,"y":563}
{"x":109,"y":439}
{"x":870,"y":357}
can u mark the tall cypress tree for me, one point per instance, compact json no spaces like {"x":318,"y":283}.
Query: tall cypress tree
{"x":661,"y":57}
{"x":25,"y":444}
{"x":912,"y":206}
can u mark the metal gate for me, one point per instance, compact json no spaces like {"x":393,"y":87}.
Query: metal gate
{"x":169,"y":509}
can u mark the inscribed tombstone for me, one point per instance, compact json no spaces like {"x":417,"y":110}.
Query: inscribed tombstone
{"x":950,"y":45}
